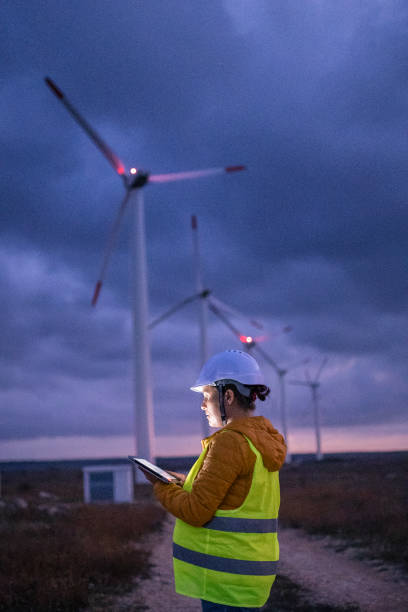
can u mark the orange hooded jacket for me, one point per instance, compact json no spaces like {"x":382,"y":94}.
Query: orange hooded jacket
{"x":225,"y":477}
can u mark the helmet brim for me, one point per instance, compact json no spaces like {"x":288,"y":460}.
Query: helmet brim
{"x":199,"y":388}
{"x":243,"y":389}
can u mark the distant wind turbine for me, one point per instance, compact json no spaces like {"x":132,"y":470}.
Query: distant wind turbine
{"x":281,"y":374}
{"x":133,"y":181}
{"x":314,"y":385}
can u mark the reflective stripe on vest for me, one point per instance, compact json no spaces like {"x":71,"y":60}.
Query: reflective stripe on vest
{"x":224,"y":564}
{"x":242,"y":525}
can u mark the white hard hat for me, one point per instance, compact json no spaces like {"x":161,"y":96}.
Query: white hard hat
{"x":229,"y":366}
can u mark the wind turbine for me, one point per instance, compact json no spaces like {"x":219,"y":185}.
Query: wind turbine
{"x":133,"y":182}
{"x":281,"y":374}
{"x":314,"y":385}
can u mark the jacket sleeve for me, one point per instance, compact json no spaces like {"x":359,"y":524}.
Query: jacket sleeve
{"x":217,"y":474}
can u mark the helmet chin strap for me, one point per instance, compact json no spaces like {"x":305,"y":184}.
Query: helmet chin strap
{"x":222,"y":406}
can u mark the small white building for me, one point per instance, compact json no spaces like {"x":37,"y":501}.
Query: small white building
{"x":108,"y":483}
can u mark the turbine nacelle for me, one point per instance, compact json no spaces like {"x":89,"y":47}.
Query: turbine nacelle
{"x":137,"y":178}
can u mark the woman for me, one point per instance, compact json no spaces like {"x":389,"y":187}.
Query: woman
{"x":225,"y":545}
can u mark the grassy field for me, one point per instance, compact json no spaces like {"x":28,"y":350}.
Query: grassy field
{"x":58,"y":554}
{"x":361,"y":501}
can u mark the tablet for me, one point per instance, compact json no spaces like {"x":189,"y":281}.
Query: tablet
{"x":153,"y":469}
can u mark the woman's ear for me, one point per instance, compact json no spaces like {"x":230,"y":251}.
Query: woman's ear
{"x":229,"y":397}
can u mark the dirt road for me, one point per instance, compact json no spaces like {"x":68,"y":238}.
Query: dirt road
{"x":336,"y":578}
{"x":332,"y":578}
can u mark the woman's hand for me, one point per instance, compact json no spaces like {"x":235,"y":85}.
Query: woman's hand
{"x":180,"y":477}
{"x":149,"y":476}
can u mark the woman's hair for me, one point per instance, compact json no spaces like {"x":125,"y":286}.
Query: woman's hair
{"x":256,"y":391}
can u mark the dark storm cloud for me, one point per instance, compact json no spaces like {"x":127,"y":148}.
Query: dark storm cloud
{"x":312,"y":97}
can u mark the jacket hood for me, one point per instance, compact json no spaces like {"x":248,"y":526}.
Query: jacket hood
{"x":263,"y":435}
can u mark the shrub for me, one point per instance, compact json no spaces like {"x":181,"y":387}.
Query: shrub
{"x":53,"y":563}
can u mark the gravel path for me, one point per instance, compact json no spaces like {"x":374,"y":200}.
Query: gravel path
{"x":336,"y":578}
{"x":158,"y":592}
{"x":333,"y":578}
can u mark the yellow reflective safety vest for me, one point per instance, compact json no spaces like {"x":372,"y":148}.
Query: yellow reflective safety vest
{"x":232,"y":559}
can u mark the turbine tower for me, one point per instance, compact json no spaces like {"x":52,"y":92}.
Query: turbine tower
{"x":314,"y":385}
{"x":133,"y":181}
{"x":203,"y":312}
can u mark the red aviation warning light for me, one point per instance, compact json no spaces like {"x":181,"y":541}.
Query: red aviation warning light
{"x":246,"y":339}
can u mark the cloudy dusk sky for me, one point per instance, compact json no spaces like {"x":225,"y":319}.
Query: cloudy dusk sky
{"x":312,"y":96}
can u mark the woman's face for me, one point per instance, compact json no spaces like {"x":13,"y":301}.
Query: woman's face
{"x":211,"y":406}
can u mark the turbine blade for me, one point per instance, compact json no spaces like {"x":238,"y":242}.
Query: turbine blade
{"x":222,"y":306}
{"x":178,"y":306}
{"x":96,"y":293}
{"x":192,"y":174}
{"x":110,"y":246}
{"x":223,"y":318}
{"x":284,"y":330}
{"x":97,"y":140}
{"x":299,"y":382}
{"x":267,"y":358}
{"x":321,"y":368}
{"x":297,"y":364}
{"x":262,"y":338}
